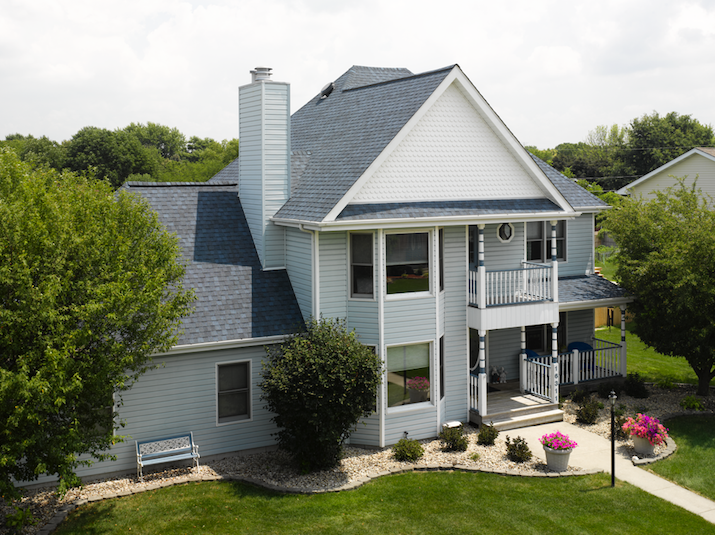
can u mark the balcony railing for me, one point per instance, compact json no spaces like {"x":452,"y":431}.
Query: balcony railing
{"x":530,"y":284}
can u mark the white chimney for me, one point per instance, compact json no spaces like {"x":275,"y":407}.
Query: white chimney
{"x":264,"y":161}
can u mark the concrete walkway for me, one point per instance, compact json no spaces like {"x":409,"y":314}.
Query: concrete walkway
{"x":594,"y":453}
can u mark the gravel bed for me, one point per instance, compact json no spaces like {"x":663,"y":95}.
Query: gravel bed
{"x":274,"y":469}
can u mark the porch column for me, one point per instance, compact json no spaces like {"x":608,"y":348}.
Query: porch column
{"x":555,"y":380}
{"x":482,"y":371}
{"x":624,"y":352}
{"x":522,"y":361}
{"x":481,"y":271}
{"x":554,"y":265}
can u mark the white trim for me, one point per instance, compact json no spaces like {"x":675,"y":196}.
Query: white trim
{"x":595,"y":303}
{"x":224,"y":344}
{"x":692,"y":152}
{"x":510,"y":237}
{"x":381,"y":330}
{"x":249,"y":382}
{"x":416,"y":222}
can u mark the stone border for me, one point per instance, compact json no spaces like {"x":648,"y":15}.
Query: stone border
{"x":65,"y":510}
{"x":670,"y":447}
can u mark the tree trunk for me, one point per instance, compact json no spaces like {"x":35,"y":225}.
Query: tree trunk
{"x":704,"y":383}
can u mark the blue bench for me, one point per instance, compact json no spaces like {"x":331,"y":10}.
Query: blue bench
{"x":166,"y":450}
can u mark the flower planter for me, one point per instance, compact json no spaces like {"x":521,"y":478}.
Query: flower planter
{"x":417,"y":396}
{"x":643,"y":446}
{"x":557,"y":460}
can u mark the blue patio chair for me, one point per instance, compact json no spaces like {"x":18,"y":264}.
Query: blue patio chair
{"x":583,"y":347}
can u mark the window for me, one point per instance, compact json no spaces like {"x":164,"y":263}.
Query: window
{"x":538,"y":337}
{"x":233,"y":391}
{"x":361,"y":278}
{"x":407,"y":262}
{"x":538,"y":241}
{"x":505,"y":232}
{"x":408,"y":374}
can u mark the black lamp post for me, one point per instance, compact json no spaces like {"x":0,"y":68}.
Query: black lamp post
{"x":612,"y":398}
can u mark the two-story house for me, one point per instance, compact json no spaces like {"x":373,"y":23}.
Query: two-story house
{"x":402,"y":203}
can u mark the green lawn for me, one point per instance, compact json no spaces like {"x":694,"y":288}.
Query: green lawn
{"x":414,"y":503}
{"x":693,"y":464}
{"x":653,"y":366}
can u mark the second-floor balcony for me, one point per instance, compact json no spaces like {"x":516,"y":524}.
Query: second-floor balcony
{"x":531,"y":283}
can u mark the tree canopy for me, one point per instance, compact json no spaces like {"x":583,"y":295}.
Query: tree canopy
{"x":90,"y":287}
{"x":143,"y":152}
{"x":666,"y":259}
{"x":319,"y":384}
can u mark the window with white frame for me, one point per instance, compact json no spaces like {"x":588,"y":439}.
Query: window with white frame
{"x":408,"y":374}
{"x":407,"y":262}
{"x":538,"y":241}
{"x":233,"y":391}
{"x":361,"y":268}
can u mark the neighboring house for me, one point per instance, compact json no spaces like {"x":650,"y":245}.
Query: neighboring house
{"x":696,"y":163}
{"x":403,"y":204}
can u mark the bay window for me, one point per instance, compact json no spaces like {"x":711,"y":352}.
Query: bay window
{"x":408,"y":374}
{"x":407,"y":262}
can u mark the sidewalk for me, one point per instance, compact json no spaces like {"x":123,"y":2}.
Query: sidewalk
{"x":594,"y":453}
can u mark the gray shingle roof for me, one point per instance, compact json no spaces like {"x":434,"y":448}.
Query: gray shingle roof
{"x":588,"y":288}
{"x":576,"y":196}
{"x":346,"y":131}
{"x":446,"y":209}
{"x":236,"y":298}
{"x":230,"y":173}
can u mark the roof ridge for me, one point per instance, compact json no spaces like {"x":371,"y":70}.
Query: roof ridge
{"x":410,"y":77}
{"x":174,"y":184}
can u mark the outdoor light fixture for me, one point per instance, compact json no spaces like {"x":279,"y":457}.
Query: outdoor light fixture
{"x":612,"y":398}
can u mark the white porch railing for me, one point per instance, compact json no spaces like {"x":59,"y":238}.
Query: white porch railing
{"x":537,"y":380}
{"x":473,"y":391}
{"x":601,"y":363}
{"x":529,"y":284}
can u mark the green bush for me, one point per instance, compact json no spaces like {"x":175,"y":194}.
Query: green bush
{"x":577,"y":396}
{"x":517,"y":450}
{"x":635,"y":386}
{"x":319,"y":383}
{"x":407,"y":449}
{"x":692,"y":403}
{"x":18,"y":520}
{"x":453,"y":439}
{"x":487,"y":435}
{"x":666,"y":384}
{"x":587,"y":413}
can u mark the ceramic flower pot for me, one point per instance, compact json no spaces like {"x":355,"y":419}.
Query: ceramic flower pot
{"x":643,"y":446}
{"x":557,"y":460}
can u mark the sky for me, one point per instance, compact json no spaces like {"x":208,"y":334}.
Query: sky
{"x":553,"y":70}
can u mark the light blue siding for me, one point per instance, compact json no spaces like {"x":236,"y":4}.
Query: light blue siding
{"x":498,"y":255}
{"x":456,"y":345}
{"x":299,"y":266}
{"x":580,"y":325}
{"x":410,"y":320}
{"x":419,"y":424}
{"x":579,"y":247}
{"x":504,"y":347}
{"x":333,"y":274}
{"x":362,"y":316}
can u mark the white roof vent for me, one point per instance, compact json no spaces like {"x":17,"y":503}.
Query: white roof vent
{"x":260,"y":74}
{"x":325,"y":92}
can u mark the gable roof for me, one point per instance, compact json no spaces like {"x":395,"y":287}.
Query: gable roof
{"x":706,"y":152}
{"x":236,"y":299}
{"x":339,"y":141}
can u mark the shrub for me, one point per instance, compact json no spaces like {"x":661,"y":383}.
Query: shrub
{"x":635,"y":386}
{"x":474,"y":456}
{"x":578,"y":396}
{"x":319,"y":383}
{"x":517,"y":450}
{"x":453,"y":439}
{"x":587,"y":413}
{"x":692,"y":403}
{"x":487,"y":435}
{"x":407,"y":449}
{"x":666,"y":384}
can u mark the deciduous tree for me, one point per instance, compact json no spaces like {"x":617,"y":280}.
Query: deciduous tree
{"x":90,"y":287}
{"x":666,"y":259}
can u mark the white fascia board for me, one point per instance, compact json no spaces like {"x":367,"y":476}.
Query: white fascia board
{"x":596,"y":303}
{"x":625,"y":189}
{"x":414,"y":222}
{"x":223,"y":344}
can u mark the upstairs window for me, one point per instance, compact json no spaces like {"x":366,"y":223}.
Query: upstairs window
{"x":538,"y":241}
{"x":407,"y":262}
{"x":361,"y":268}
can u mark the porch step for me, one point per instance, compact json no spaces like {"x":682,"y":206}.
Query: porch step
{"x":516,"y":421}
